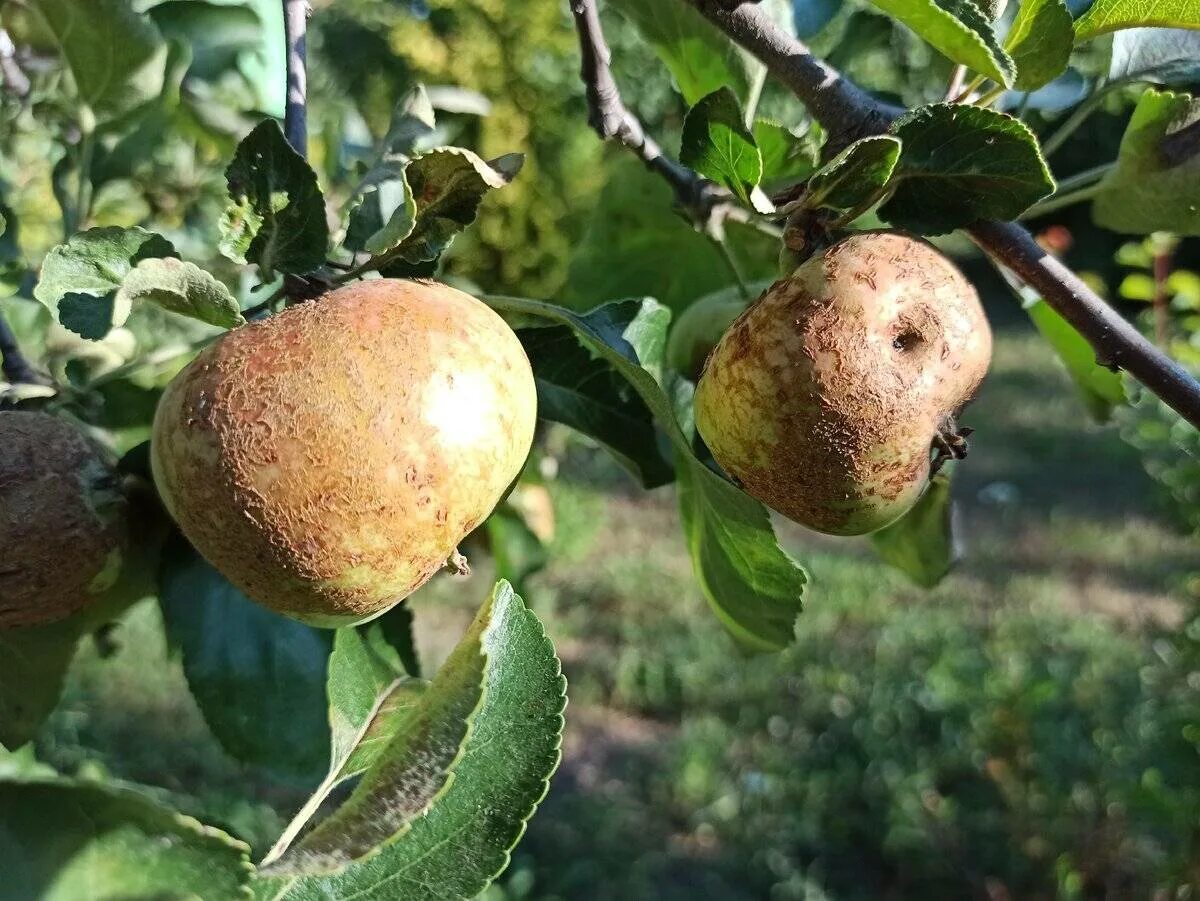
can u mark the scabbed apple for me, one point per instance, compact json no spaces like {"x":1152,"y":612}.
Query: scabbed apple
{"x":63,"y":520}
{"x":824,"y":397}
{"x":328,"y":460}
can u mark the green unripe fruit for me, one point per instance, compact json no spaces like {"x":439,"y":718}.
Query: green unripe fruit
{"x":63,"y":520}
{"x":328,"y":460}
{"x":824,"y":397}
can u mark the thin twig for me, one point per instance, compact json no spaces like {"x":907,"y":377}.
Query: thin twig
{"x":611,"y":120}
{"x":844,"y":108}
{"x":958,"y":77}
{"x":16,"y":368}
{"x":1162,"y":308}
{"x":15,"y":79}
{"x":295,"y":119}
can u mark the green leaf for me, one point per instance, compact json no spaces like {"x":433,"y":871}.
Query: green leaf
{"x":370,"y":700}
{"x":921,"y":542}
{"x":257,"y":677}
{"x":33,"y":667}
{"x":216,"y":33}
{"x":116,"y":56}
{"x":1144,"y":193}
{"x":1101,"y":389}
{"x":857,"y":174}
{"x":517,"y":551}
{"x":384,"y":213}
{"x":700,"y":58}
{"x":957,"y":29}
{"x":1159,"y":55}
{"x":1110,"y":15}
{"x":182,"y":288}
{"x":448,"y":184}
{"x":462,"y":841}
{"x":718,"y":145}
{"x":751,"y":584}
{"x":1040,"y":42}
{"x":584,"y":392}
{"x":960,"y":164}
{"x":95,"y":262}
{"x":62,"y":840}
{"x":34,"y":660}
{"x":754,"y":586}
{"x":412,"y":121}
{"x":392,"y":637}
{"x":785,"y":156}
{"x":276,"y":214}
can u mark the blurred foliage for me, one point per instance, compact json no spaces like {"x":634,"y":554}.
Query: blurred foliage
{"x":1169,"y":445}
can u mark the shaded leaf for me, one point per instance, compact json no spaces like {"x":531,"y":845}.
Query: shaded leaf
{"x":717,"y":144}
{"x":921,"y":543}
{"x":33,"y":667}
{"x":810,"y":16}
{"x":517,"y":551}
{"x":855,"y":175}
{"x":182,"y":288}
{"x":385,"y":212}
{"x":1145,"y":193}
{"x":1040,"y":42}
{"x":1110,"y":15}
{"x":752,"y":583}
{"x":584,"y":392}
{"x":960,"y":164}
{"x":217,"y":34}
{"x":785,"y":156}
{"x":62,"y":840}
{"x":116,"y":56}
{"x":276,"y":214}
{"x":959,"y":30}
{"x":1160,"y":55}
{"x":1101,"y":389}
{"x":462,"y":841}
{"x":258,"y":677}
{"x":700,"y":58}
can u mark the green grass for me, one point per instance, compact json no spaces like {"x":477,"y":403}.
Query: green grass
{"x":1004,"y":730}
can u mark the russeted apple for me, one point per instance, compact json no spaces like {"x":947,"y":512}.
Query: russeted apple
{"x":328,"y":460}
{"x":63,"y":520}
{"x":824,"y":398}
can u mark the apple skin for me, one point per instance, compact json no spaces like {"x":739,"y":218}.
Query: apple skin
{"x":823,"y":398}
{"x":63,"y":520}
{"x":329,"y":459}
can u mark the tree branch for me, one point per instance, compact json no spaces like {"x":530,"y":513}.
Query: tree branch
{"x":848,"y":112}
{"x":295,"y":119}
{"x":610,"y":118}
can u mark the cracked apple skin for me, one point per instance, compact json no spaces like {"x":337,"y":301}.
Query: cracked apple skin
{"x":824,"y":397}
{"x":329,"y":459}
{"x":63,"y":520}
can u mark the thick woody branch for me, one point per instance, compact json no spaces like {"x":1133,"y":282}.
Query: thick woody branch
{"x":611,"y":120}
{"x":848,"y":112}
{"x":295,"y":119}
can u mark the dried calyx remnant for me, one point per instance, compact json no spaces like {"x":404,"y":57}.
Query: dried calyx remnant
{"x":63,"y":520}
{"x":328,"y":460}
{"x":824,"y":397}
